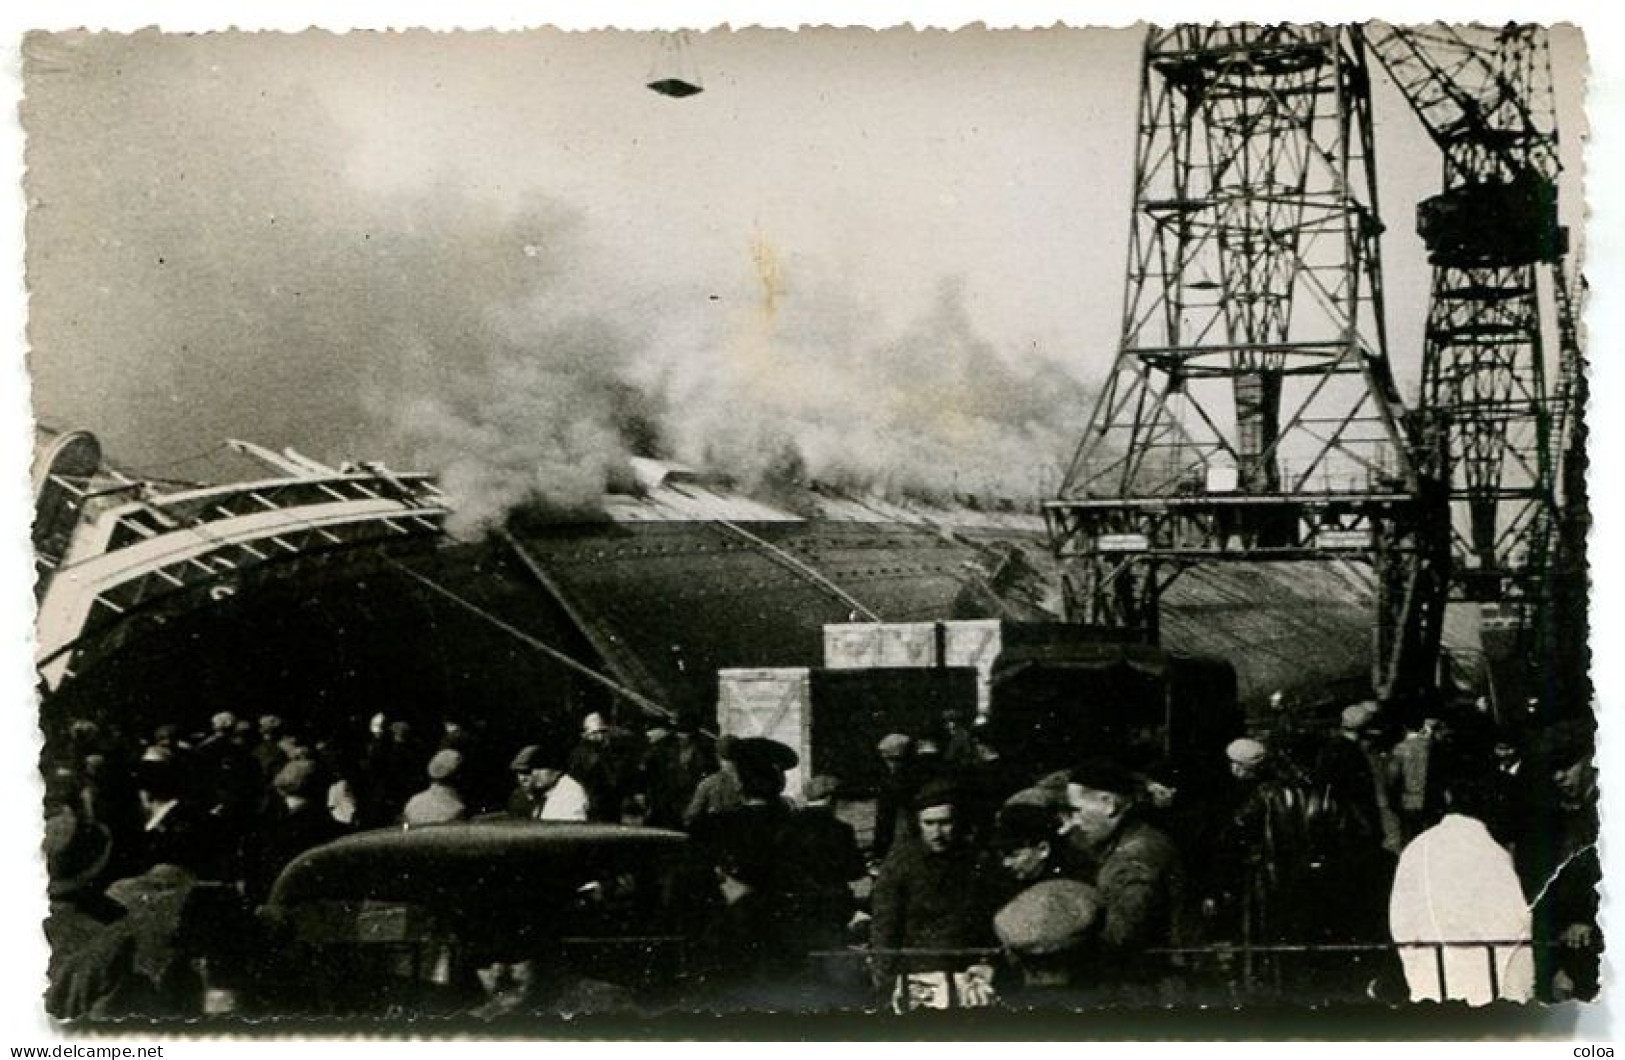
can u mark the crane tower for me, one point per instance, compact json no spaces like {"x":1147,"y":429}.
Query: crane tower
{"x":1500,"y":318}
{"x":1251,"y":414}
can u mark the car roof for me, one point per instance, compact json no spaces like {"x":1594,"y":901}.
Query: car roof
{"x":468,"y":858}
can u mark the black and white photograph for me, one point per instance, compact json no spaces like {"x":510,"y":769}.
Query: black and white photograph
{"x":534,"y":525}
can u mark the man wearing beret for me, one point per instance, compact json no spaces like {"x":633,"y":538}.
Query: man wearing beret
{"x":1133,"y":867}
{"x":930,"y":895}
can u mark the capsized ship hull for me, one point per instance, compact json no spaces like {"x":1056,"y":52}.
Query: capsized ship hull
{"x":523,"y":630}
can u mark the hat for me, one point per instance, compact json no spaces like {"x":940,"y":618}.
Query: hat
{"x":444,"y":764}
{"x":760,"y":764}
{"x":821,"y":787}
{"x":1359,"y":715}
{"x":1023,"y":824}
{"x":935,"y":793}
{"x":76,"y":852}
{"x":592,"y":723}
{"x":1044,"y":798}
{"x":1245,"y":752}
{"x":757,"y":751}
{"x":895,"y":745}
{"x":298,"y":777}
{"x":1102,"y":774}
{"x":525,"y":760}
{"x":155,"y":902}
{"x":1047,"y":917}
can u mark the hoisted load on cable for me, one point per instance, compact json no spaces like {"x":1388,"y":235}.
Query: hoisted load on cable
{"x":674,"y":72}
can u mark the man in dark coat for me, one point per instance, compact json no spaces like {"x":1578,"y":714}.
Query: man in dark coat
{"x":1557,"y":860}
{"x":930,"y":895}
{"x":393,"y":767}
{"x":825,"y":861}
{"x":761,"y":765}
{"x":1133,"y":867}
{"x":749,"y":952}
{"x":298,"y":821}
{"x":1026,"y":841}
{"x":673,"y":772}
{"x":893,"y":803}
{"x":176,"y":831}
{"x":91,"y":965}
{"x":606,"y":763}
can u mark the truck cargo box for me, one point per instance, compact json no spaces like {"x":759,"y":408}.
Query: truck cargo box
{"x":975,"y":643}
{"x":834,"y":718}
{"x":1056,"y":704}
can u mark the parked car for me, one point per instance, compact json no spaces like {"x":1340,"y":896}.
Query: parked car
{"x":480,"y":918}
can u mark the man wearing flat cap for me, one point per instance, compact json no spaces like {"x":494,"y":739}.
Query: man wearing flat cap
{"x":1267,"y":876}
{"x":295,"y":822}
{"x":1133,"y":866}
{"x":440,"y":801}
{"x":1048,"y":932}
{"x":546,"y":791}
{"x":1352,"y":764}
{"x":893,"y":801}
{"x":930,"y":895}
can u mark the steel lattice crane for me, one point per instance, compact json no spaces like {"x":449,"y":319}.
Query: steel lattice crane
{"x":1251,"y":414}
{"x":1511,"y":439}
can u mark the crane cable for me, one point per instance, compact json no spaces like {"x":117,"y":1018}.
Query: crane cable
{"x":546,"y":649}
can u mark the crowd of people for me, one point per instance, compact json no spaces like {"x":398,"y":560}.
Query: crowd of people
{"x":1300,"y":855}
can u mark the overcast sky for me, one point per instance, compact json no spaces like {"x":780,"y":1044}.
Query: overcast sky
{"x":500,"y":257}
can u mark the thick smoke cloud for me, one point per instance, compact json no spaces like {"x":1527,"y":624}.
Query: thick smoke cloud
{"x":934,"y":409}
{"x":247,"y":286}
